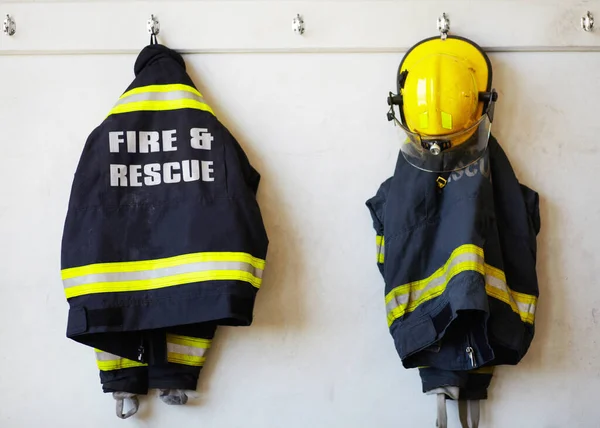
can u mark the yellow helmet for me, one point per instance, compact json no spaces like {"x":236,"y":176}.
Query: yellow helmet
{"x":446,"y":103}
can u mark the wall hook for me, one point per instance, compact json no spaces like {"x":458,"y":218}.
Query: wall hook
{"x":298,"y":25}
{"x":587,"y":22}
{"x":443,"y":25}
{"x":9,"y":26}
{"x":153,"y":25}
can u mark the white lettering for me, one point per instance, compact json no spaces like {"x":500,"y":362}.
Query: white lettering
{"x":114,"y":139}
{"x":190,"y":172}
{"x":207,"y":170}
{"x":201,"y":138}
{"x":153,"y":174}
{"x":149,"y":142}
{"x":118,"y":175}
{"x":152,"y":171}
{"x":131,"y":142}
{"x":168,"y":140}
{"x":471,"y":172}
{"x":168,"y":175}
{"x":457,"y":175}
{"x":134,"y":175}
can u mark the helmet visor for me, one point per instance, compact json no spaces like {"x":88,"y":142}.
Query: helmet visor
{"x":447,"y":153}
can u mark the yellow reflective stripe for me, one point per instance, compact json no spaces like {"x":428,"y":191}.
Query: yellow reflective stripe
{"x":194,"y":342}
{"x":420,"y":284}
{"x":508,"y":296}
{"x":160,"y":273}
{"x":161,"y":88}
{"x":434,"y":292}
{"x":523,"y":298}
{"x":168,"y":262}
{"x":496,"y":287}
{"x":159,"y":98}
{"x":160,"y":106}
{"x":167,"y":281}
{"x":187,"y":350}
{"x":380,"y":243}
{"x":188,"y":360}
{"x":519,"y":297}
{"x":505,"y":297}
{"x":122,"y":363}
{"x":107,"y":362}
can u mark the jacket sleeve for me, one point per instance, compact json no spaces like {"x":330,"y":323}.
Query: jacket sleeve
{"x":532,"y":202}
{"x":523,"y":219}
{"x":376,"y":206}
{"x":244,"y":172}
{"x":517,"y":222}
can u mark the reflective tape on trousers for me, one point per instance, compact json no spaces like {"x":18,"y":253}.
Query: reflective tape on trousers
{"x":107,"y":361}
{"x":187,"y":350}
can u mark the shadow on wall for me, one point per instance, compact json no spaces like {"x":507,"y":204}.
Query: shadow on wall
{"x":523,"y":129}
{"x":279,"y":306}
{"x":551,"y":350}
{"x":553,"y":341}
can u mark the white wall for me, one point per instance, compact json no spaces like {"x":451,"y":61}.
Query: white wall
{"x":318,"y":353}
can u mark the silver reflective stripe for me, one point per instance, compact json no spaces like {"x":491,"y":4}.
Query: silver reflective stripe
{"x":160,"y":96}
{"x":105,"y":356}
{"x":108,"y":362}
{"x":380,"y":251}
{"x":497,"y":283}
{"x":412,"y":295}
{"x":186,"y":350}
{"x":380,"y":248}
{"x":163,"y":272}
{"x":526,"y":308}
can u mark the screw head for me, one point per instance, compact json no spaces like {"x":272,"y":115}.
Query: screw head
{"x":298,"y":25}
{"x":587,"y":22}
{"x":435,"y":149}
{"x":9,"y":27}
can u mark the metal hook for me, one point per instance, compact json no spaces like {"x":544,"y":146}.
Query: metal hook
{"x":587,"y":22}
{"x":9,"y":26}
{"x":298,"y":25}
{"x":153,"y":25}
{"x":443,"y":24}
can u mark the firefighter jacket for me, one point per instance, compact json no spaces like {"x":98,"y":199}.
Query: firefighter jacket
{"x":458,"y":255}
{"x":163,"y":239}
